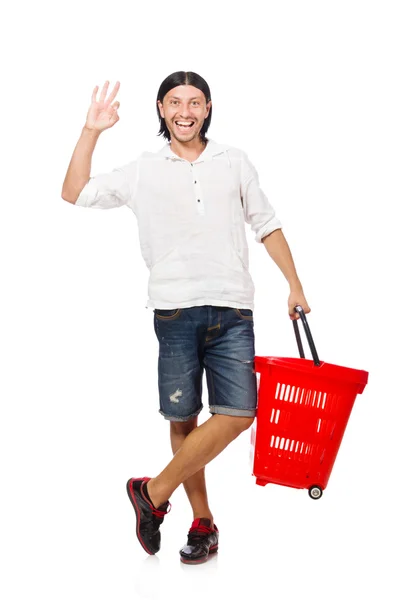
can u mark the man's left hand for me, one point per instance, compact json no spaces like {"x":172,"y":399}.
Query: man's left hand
{"x":297,"y":298}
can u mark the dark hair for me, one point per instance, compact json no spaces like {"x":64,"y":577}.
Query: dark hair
{"x":183,"y":78}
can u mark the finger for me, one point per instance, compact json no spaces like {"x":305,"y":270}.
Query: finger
{"x":104,"y":92}
{"x":94,"y":93}
{"x":114,"y":92}
{"x":112,"y":108}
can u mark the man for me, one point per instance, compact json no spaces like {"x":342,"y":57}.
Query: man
{"x":192,"y":200}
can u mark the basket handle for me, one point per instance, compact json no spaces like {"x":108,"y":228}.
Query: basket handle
{"x":313,"y":350}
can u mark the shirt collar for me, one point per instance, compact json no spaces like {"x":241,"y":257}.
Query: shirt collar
{"x":211,"y":149}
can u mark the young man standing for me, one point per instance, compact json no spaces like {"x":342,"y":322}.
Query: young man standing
{"x":192,"y":200}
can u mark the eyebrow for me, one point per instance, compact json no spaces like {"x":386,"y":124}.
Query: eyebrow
{"x":178,"y":98}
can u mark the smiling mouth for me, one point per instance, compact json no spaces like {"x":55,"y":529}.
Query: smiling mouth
{"x":183,"y":126}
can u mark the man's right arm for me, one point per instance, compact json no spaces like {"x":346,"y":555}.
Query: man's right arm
{"x":102,"y":114}
{"x":78,"y":173}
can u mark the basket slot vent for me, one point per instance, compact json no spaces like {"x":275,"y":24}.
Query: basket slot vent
{"x":307,"y":397}
{"x":314,"y":398}
{"x":301,"y":395}
{"x":292,"y":394}
{"x":274,"y":417}
{"x":293,"y":450}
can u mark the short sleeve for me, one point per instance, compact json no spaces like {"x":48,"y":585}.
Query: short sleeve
{"x":110,"y":190}
{"x":258,"y":212}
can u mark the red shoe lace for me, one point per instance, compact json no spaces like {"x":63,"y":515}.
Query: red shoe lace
{"x":200,"y":529}
{"x":161,"y":513}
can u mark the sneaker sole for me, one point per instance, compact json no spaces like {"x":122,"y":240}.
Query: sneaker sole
{"x":200,"y":561}
{"x":134,"y":503}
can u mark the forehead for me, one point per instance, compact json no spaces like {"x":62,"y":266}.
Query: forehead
{"x":185,"y":92}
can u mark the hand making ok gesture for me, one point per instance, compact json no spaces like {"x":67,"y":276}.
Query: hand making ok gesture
{"x":102,"y":114}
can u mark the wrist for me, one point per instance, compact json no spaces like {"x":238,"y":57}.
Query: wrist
{"x":295,"y":285}
{"x":91,"y":132}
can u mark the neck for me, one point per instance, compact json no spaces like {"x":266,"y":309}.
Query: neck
{"x":188,"y":150}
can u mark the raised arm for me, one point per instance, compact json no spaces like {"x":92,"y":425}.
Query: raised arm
{"x":102,"y":114}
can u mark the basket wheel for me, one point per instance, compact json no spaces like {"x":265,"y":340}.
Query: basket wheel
{"x":315,"y":492}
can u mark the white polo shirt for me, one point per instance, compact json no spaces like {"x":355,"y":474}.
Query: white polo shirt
{"x":191,"y":221}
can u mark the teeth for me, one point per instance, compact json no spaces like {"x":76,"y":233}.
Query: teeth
{"x":184,"y":124}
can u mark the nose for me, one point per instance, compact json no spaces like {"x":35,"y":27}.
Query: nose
{"x":184,"y":111}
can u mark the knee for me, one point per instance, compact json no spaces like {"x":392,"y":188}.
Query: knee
{"x":183,"y":428}
{"x":245,"y":423}
{"x":238,"y":424}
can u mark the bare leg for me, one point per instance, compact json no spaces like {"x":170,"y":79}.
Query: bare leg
{"x":199,"y":448}
{"x":195,"y":487}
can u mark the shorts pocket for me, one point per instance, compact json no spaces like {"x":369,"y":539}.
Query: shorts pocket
{"x":167,"y":314}
{"x":244,"y":313}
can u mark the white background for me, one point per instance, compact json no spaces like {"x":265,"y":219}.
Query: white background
{"x":308,"y":90}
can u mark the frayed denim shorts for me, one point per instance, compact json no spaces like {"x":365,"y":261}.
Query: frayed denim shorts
{"x":219,"y":339}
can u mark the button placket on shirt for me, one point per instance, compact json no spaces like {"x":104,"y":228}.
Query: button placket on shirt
{"x":198,"y":194}
{"x":197,"y":190}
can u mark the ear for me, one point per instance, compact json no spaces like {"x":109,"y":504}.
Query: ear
{"x":209,"y":104}
{"x":160,"y":108}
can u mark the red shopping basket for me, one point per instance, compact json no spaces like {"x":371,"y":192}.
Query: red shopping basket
{"x":303,"y":409}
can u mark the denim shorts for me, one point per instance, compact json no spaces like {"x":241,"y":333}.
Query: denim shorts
{"x":219,"y":339}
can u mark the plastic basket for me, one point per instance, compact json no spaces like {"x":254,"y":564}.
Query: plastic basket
{"x":303,"y":409}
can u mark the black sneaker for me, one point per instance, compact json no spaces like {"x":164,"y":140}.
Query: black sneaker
{"x":201,"y":542}
{"x":148,"y":518}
